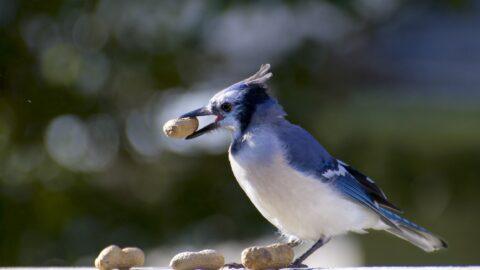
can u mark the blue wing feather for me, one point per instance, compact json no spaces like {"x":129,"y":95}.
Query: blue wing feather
{"x":350,"y":187}
{"x":369,"y":186}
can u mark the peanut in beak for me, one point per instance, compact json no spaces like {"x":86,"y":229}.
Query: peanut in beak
{"x":181,"y":127}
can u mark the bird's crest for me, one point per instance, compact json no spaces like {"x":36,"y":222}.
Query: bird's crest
{"x":260,"y":77}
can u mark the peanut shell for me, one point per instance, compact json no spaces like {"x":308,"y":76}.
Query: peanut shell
{"x":267,"y":257}
{"x":112,"y":257}
{"x":205,"y":259}
{"x":180,"y":127}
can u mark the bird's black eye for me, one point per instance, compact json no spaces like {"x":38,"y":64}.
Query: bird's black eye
{"x":226,"y":107}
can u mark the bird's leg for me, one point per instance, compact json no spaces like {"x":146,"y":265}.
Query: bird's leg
{"x":298,"y":263}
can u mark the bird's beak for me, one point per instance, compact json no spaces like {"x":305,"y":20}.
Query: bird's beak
{"x":204,"y":111}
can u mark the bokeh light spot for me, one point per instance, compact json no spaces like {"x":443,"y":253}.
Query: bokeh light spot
{"x":82,"y":146}
{"x":60,"y":64}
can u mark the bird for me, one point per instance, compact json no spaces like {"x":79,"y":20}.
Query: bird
{"x":306,"y":193}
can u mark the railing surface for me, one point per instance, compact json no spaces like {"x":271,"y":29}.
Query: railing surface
{"x":343,"y":268}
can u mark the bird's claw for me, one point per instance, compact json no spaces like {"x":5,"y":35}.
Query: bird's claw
{"x":296,"y":265}
{"x":294,"y":243}
{"x":233,"y":266}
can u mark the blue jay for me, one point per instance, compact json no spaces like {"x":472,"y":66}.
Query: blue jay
{"x":292,"y":180}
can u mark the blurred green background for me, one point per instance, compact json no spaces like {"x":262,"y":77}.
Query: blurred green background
{"x":389,"y":86}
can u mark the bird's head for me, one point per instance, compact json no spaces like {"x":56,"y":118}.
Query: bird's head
{"x":236,"y":106}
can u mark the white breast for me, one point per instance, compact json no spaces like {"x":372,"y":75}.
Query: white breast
{"x":295,"y":203}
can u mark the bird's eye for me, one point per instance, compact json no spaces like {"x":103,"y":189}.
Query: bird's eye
{"x":226,"y":107}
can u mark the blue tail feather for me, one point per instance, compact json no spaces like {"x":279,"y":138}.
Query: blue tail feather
{"x":402,"y":221}
{"x":413,"y":233}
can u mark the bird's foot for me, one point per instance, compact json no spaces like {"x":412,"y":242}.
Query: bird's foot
{"x":233,"y":266}
{"x":294,"y":243}
{"x":297,"y":264}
